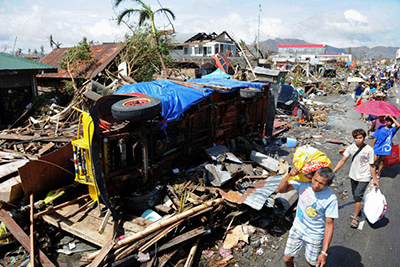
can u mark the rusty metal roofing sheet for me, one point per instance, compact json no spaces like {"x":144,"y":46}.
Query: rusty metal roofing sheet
{"x":256,"y":195}
{"x":102,"y":55}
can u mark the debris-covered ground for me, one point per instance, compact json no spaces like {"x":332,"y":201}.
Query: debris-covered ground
{"x":217,"y":209}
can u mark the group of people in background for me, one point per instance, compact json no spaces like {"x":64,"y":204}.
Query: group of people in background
{"x":317,"y":205}
{"x":377,"y":88}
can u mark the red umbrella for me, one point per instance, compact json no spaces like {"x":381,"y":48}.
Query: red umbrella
{"x":378,"y":108}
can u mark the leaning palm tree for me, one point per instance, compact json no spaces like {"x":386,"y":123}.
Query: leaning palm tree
{"x":146,"y":13}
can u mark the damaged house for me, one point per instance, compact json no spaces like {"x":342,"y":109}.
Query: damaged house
{"x":203,"y":45}
{"x":102,"y":57}
{"x":18,"y":85}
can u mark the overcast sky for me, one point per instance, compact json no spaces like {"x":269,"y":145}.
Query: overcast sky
{"x":340,"y":23}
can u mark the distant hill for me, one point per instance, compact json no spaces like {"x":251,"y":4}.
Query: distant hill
{"x":374,"y":52}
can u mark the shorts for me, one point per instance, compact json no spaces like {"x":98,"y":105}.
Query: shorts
{"x":295,"y":242}
{"x":358,"y":189}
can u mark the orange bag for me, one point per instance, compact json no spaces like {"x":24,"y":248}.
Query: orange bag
{"x":393,"y":158}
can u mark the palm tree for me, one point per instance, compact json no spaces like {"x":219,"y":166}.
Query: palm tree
{"x":51,"y":41}
{"x":146,"y":13}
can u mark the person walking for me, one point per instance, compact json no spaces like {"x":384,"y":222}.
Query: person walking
{"x":361,"y":170}
{"x":358,"y":91}
{"x":382,"y":143}
{"x":380,"y":121}
{"x":316,"y":210}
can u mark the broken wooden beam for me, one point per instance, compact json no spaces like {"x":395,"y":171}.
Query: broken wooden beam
{"x":186,"y":83}
{"x":45,"y":148}
{"x":32,"y":238}
{"x":51,"y":210}
{"x":160,"y":224}
{"x":20,"y":235}
{"x":192,"y":253}
{"x":25,"y":138}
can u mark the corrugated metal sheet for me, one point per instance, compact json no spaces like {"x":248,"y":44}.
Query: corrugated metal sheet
{"x":102,"y":55}
{"x":11,"y":63}
{"x":256,"y":195}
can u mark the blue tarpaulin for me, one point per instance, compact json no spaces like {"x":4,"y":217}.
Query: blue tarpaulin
{"x":234,"y":84}
{"x":175,"y":98}
{"x":217,"y":74}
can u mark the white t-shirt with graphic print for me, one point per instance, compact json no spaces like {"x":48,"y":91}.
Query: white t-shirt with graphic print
{"x":360,"y":170}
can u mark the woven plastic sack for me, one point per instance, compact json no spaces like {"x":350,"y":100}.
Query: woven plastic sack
{"x":375,"y":205}
{"x":308,"y":159}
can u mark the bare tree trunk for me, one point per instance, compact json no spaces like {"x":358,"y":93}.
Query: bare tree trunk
{"x":160,"y":55}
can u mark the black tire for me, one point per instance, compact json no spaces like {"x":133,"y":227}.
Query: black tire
{"x":145,"y":201}
{"x":250,"y":93}
{"x":136,"y":108}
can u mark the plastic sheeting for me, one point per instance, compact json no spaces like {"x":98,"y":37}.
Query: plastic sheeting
{"x":217,"y":74}
{"x":175,"y":98}
{"x":234,"y":84}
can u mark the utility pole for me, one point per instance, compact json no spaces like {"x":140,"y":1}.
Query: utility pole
{"x":258,"y":39}
{"x":15,"y":42}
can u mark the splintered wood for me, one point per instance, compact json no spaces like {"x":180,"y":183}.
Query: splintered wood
{"x":86,"y":224}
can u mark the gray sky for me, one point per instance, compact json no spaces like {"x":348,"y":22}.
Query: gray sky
{"x":340,"y":23}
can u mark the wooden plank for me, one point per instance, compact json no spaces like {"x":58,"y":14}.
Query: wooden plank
{"x":17,"y":137}
{"x":9,"y":168}
{"x":32,"y":233}
{"x":20,"y":235}
{"x":45,"y":148}
{"x":6,"y":188}
{"x":86,"y":224}
{"x":8,"y":155}
{"x":51,"y":210}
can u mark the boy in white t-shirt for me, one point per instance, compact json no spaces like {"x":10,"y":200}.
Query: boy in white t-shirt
{"x":361,"y":170}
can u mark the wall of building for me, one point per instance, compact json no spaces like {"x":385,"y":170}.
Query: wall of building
{"x":301,"y":50}
{"x":206,"y":50}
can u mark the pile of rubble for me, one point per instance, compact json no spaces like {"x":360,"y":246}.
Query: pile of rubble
{"x":200,"y":213}
{"x":39,"y":197}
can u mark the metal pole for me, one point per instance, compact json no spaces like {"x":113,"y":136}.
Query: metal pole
{"x":258,"y":46}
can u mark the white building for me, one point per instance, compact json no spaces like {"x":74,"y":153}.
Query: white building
{"x":313,"y":53}
{"x":203,"y":45}
{"x":398,"y":56}
{"x":301,"y":49}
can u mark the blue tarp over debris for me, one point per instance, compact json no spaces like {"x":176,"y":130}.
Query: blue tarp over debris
{"x":175,"y":98}
{"x":234,"y":84}
{"x":218,"y":73}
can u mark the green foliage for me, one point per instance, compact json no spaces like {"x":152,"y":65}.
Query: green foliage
{"x":66,"y":95}
{"x":141,"y":55}
{"x":75,"y":56}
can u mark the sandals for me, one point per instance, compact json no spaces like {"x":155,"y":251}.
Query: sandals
{"x":354,"y":223}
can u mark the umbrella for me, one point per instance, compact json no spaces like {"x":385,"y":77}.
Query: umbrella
{"x":378,"y":108}
{"x":355,"y":80}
